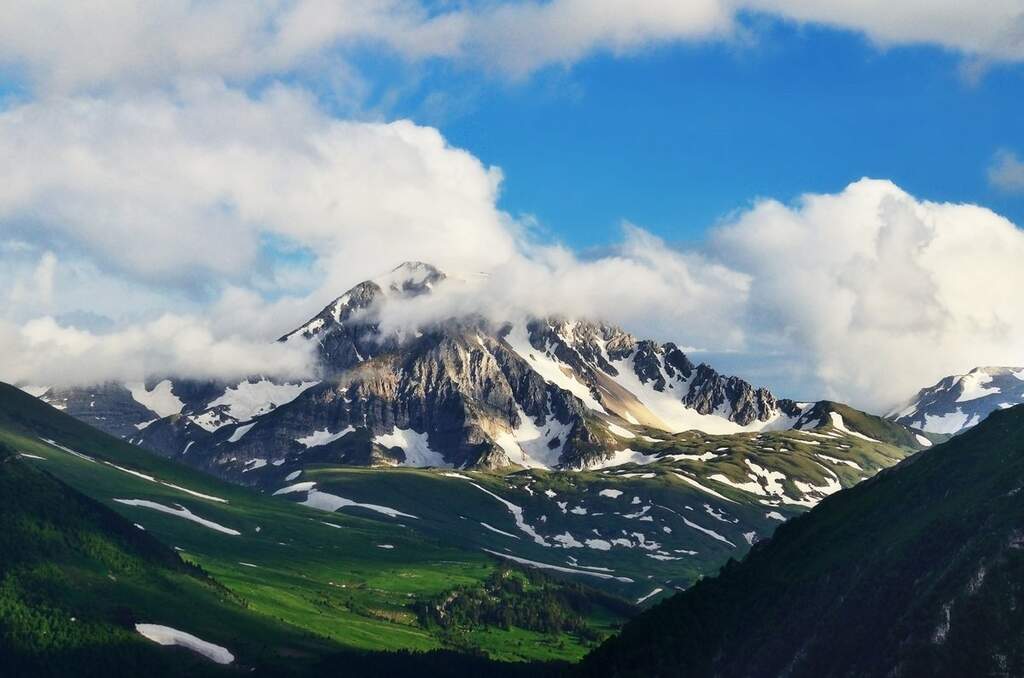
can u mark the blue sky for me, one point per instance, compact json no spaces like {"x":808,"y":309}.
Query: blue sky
{"x":676,"y":137}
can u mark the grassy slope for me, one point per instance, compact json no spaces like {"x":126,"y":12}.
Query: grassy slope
{"x":335,"y":583}
{"x":450,"y":509}
{"x":919,"y":571}
{"x":75,"y":577}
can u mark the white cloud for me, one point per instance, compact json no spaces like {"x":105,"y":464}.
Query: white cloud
{"x":128,"y":42}
{"x":44,"y":352}
{"x":519,"y":38}
{"x":641,"y":283}
{"x":879,"y":292}
{"x":82,"y":45}
{"x":993,"y":29}
{"x":1007,"y":172}
{"x":172,"y":200}
{"x":183,"y":189}
{"x":126,"y":206}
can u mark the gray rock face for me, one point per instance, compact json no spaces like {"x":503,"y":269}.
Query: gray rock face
{"x":959,"y":402}
{"x":662,"y":367}
{"x":109,"y":407}
{"x":462,"y":392}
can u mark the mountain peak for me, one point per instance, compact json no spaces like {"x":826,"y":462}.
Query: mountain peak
{"x":409,"y":277}
{"x":960,"y":401}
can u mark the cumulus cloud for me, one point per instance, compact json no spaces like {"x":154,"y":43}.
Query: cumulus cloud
{"x":1007,"y":172}
{"x":42,"y":351}
{"x":185,"y":188}
{"x":641,"y":283}
{"x":126,"y":42}
{"x":124,"y":206}
{"x":863,"y":296}
{"x":878,"y":292}
{"x":200,"y":221}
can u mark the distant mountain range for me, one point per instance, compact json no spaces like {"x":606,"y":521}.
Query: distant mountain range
{"x":465,"y":392}
{"x":561,"y":443}
{"x":961,"y":401}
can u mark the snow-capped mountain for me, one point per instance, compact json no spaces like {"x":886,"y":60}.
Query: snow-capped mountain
{"x":961,"y":401}
{"x":465,"y":392}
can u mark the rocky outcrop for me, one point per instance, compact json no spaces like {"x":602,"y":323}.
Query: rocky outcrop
{"x":109,"y":407}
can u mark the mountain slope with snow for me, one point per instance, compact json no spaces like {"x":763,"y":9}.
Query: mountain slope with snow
{"x":462,"y":392}
{"x":961,"y":401}
{"x":915,"y":572}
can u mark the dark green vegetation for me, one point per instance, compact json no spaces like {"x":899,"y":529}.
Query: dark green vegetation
{"x":918,"y":571}
{"x":282,"y":586}
{"x":528,"y":600}
{"x":75,"y":578}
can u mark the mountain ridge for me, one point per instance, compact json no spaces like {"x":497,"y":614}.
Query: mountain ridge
{"x":463,"y":392}
{"x":960,"y":401}
{"x":869,"y":582}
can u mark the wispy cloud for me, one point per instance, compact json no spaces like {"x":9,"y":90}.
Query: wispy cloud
{"x":1007,"y":172}
{"x":130,"y":43}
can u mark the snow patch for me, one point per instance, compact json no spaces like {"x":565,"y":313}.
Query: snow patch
{"x":838,"y":423}
{"x":558,"y":568}
{"x":702,"y":488}
{"x":501,"y":532}
{"x":332,"y":502}
{"x":179,"y":511}
{"x":323,"y":437}
{"x":416,"y":447}
{"x":165,"y":635}
{"x":517,"y":515}
{"x":548,"y":368}
{"x":251,"y":399}
{"x":975,"y":385}
{"x":620,"y":457}
{"x":237,"y":434}
{"x":160,"y":400}
{"x":68,"y":450}
{"x":650,"y":595}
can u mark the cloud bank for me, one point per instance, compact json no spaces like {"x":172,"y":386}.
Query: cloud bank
{"x":44,"y":352}
{"x":132,"y":43}
{"x":871,"y":292}
{"x":181,"y":188}
{"x":881,"y":293}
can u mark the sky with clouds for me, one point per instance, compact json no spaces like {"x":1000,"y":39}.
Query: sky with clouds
{"x":823,"y":197}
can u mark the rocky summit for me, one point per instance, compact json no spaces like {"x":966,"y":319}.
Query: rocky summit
{"x":463,"y":392}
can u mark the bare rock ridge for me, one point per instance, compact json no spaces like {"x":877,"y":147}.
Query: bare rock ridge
{"x":464,"y":392}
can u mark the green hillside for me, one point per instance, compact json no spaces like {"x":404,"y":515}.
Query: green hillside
{"x":75,"y":578}
{"x":308,"y":584}
{"x":639,"y":531}
{"x":916,"y":572}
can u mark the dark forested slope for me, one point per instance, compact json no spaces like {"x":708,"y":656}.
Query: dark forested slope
{"x":918,"y":571}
